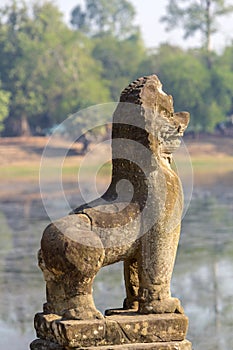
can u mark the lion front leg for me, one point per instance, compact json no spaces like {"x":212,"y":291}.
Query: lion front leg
{"x":158,"y":252}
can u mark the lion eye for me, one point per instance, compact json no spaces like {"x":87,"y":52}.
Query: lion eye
{"x":179,"y":128}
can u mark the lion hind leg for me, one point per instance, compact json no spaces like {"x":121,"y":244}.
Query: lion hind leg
{"x":131,"y":284}
{"x":70,"y":258}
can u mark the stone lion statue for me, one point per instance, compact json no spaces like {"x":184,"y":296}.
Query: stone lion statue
{"x":136,"y":221}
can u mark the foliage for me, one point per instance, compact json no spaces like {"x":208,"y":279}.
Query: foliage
{"x":4,"y":106}
{"x":206,"y":94}
{"x":222,"y":81}
{"x":100,"y":17}
{"x":117,"y":43}
{"x":120,"y":59}
{"x":196,"y":16}
{"x":49,"y":70}
{"x":210,"y":88}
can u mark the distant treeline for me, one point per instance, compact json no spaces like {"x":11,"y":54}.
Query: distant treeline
{"x":50,"y":69}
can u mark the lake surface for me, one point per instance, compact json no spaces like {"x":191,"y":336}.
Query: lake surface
{"x":203,"y":276}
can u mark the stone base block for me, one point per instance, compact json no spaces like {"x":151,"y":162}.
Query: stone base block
{"x":119,"y":329}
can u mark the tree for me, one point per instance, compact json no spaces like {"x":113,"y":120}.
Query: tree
{"x":206,"y":94}
{"x":187,"y":80}
{"x":4,"y":106}
{"x":13,"y":17}
{"x":117,"y":42}
{"x":48,"y":68}
{"x":120,"y":60}
{"x":215,"y":83}
{"x":222,"y":81}
{"x":114,"y":17}
{"x":196,"y":16}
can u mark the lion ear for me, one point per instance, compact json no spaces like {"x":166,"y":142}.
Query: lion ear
{"x":182,"y":119}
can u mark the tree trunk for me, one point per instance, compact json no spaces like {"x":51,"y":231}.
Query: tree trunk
{"x":208,"y":34}
{"x":208,"y":25}
{"x":24,"y":127}
{"x":17,"y":127}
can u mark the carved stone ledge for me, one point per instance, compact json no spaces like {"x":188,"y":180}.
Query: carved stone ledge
{"x":183,"y":345}
{"x":129,"y":330}
{"x":40,"y":344}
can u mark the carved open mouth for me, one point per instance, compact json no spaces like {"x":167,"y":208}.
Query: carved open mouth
{"x":171,"y":130}
{"x":170,"y":145}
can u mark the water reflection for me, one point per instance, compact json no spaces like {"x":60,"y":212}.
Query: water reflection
{"x":202,"y":279}
{"x":205,"y":265}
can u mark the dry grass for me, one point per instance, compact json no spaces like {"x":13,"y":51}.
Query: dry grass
{"x":20,"y":159}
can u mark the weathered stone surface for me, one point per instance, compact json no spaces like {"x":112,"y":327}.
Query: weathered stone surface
{"x":119,"y":328}
{"x":141,"y":226}
{"x":39,"y":344}
{"x":183,"y":345}
{"x":42,"y":344}
{"x":151,"y":328}
{"x":136,"y":221}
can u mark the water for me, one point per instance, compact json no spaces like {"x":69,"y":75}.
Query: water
{"x":203,"y":276}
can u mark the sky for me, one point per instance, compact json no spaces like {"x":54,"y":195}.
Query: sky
{"x":148,"y":14}
{"x":148,"y":17}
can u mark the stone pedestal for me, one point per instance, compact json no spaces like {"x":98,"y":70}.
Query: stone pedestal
{"x":118,"y":330}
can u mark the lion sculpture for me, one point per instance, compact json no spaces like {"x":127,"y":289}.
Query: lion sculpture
{"x":136,"y":221}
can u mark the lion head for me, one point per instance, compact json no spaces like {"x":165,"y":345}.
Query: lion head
{"x":146,"y":114}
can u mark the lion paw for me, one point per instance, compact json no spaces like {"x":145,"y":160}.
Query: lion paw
{"x":130,"y":305}
{"x":88,"y":313}
{"x":170,"y":305}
